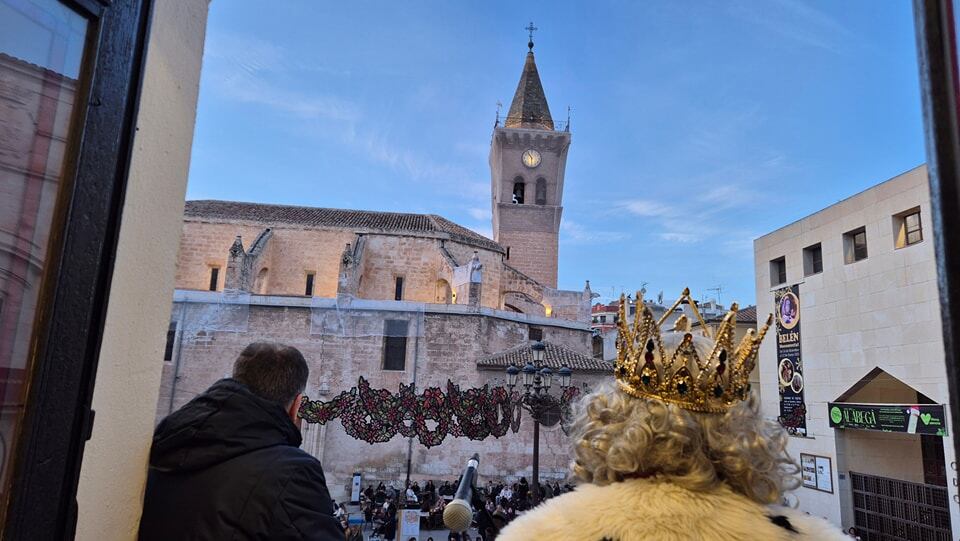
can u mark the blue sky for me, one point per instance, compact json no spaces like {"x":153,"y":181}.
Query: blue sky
{"x":697,"y":126}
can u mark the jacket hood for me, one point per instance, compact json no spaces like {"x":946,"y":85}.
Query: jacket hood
{"x":226,"y":421}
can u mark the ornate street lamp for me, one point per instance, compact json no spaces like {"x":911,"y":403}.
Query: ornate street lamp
{"x":536,"y":398}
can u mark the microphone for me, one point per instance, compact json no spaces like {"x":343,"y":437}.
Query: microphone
{"x":458,"y":514}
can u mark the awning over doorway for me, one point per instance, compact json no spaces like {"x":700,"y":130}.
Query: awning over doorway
{"x":882,"y":402}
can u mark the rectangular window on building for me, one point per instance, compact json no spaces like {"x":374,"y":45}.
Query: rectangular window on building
{"x":395,"y":344}
{"x":309,"y":289}
{"x":633,"y":310}
{"x":906,"y":228}
{"x":214,"y":278}
{"x":812,"y":260}
{"x":778,"y":271}
{"x":603,"y":319}
{"x":171,"y":340}
{"x":535,"y":333}
{"x":398,"y":289}
{"x":855,"y":245}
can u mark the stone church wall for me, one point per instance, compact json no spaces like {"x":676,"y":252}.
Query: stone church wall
{"x":449,"y":342}
{"x":291,"y":253}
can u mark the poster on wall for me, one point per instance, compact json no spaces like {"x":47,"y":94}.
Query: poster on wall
{"x":793,"y":408}
{"x":824,"y":474}
{"x":817,"y":472}
{"x":808,"y":467}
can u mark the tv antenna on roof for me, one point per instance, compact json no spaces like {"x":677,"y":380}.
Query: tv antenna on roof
{"x":719,"y":290}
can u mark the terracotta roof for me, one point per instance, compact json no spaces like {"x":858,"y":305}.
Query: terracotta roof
{"x":556,"y":357}
{"x":365,"y":220}
{"x":747,"y":314}
{"x":529,"y":106}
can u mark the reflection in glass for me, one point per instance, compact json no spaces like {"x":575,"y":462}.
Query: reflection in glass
{"x":41,"y":48}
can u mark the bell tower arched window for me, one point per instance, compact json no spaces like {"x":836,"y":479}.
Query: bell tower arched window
{"x":541,"y":193}
{"x":518,"y":189}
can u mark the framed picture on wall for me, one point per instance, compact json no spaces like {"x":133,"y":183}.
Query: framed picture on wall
{"x":817,"y":472}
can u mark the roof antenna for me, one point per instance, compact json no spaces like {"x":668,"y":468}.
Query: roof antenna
{"x":531,"y":29}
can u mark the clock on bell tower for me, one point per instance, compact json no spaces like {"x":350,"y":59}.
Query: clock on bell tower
{"x":528,"y":156}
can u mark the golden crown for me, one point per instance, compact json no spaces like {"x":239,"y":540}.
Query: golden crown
{"x":712,"y":385}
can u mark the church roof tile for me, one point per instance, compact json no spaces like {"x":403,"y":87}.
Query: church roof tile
{"x":529,"y":107}
{"x":556,"y":356}
{"x":362,"y":220}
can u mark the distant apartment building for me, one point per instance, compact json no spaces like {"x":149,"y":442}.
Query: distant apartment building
{"x":854,"y":365}
{"x":605,"y":316}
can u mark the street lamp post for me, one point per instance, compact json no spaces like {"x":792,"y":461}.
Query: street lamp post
{"x":536,"y":398}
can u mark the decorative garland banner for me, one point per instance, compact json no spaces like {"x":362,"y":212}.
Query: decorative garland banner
{"x":377,"y":415}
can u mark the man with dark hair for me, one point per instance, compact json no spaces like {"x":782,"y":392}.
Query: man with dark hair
{"x":227,"y":465}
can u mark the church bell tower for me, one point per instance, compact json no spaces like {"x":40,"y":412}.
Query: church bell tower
{"x":528,"y":156}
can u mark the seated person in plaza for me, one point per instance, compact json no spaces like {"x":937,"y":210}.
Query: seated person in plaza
{"x":227,"y":465}
{"x":676,"y":448}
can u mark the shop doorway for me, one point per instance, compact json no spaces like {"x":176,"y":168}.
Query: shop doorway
{"x":891,"y":447}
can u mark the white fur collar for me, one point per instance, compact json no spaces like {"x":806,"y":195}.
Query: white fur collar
{"x":653,"y":509}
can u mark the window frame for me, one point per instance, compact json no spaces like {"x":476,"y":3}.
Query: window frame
{"x":902,"y":230}
{"x":214,"y":283}
{"x":311,"y":283}
{"x":519,"y":182}
{"x":392,"y":339}
{"x":171,"y":343}
{"x":850,"y":245}
{"x":810,"y":262}
{"x":57,"y":420}
{"x":937,"y":59}
{"x":780,"y":265}
{"x":398,"y":283}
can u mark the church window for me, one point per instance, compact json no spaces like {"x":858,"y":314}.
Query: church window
{"x":535,"y":333}
{"x":171,"y":339}
{"x":508,"y":253}
{"x":541,"y":193}
{"x":398,"y":289}
{"x":444,"y":295}
{"x":518,"y":188}
{"x":395,"y":344}
{"x":214,"y":278}
{"x":309,"y":289}
{"x":260,"y":286}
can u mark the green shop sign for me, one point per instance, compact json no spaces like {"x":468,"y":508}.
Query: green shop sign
{"x":909,"y":418}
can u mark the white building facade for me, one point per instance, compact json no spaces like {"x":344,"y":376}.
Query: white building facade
{"x":856,"y":362}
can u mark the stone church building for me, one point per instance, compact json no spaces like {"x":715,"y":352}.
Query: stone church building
{"x":394,"y":298}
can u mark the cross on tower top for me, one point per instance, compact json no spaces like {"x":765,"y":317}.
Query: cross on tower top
{"x":531,"y":29}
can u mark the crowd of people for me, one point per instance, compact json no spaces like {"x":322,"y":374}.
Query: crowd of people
{"x":495,"y":504}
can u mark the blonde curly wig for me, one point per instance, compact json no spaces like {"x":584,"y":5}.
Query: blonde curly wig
{"x":617,"y":436}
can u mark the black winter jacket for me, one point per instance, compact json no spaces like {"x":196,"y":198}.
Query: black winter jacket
{"x":227,"y":465}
